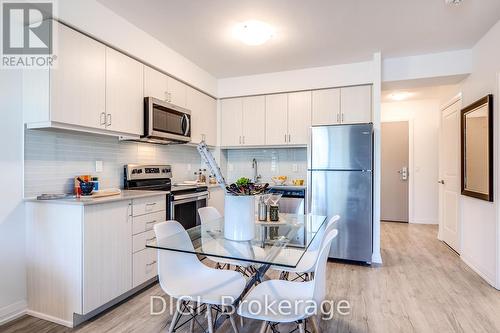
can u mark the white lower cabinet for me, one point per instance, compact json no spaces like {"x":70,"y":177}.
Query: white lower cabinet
{"x":83,"y":257}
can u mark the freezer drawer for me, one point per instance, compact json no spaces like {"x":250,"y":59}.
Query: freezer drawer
{"x":341,"y":147}
{"x":348,"y":194}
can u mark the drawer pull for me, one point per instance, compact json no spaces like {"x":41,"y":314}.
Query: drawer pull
{"x":150,"y":239}
{"x":151,"y":204}
{"x":151,"y":222}
{"x":151,"y":263}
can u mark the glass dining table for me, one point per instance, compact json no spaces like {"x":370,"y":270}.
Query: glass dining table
{"x":279,"y":244}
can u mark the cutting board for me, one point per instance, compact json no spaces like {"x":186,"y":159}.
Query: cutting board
{"x":105,"y":193}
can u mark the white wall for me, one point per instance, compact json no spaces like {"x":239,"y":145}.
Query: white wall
{"x":12,"y":276}
{"x":98,"y":21}
{"x":423,"y":118}
{"x":301,"y":79}
{"x":480,"y":225}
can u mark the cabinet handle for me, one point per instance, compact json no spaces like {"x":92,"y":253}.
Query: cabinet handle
{"x":289,"y":138}
{"x":151,"y":204}
{"x":338,"y":117}
{"x":285,"y":137}
{"x":342,"y":117}
{"x":151,"y":263}
{"x":102,"y":119}
{"x":109,"y":120}
{"x":240,"y":139}
{"x":243,"y":139}
{"x":170,"y":97}
{"x":150,"y":239}
{"x":151,"y":222}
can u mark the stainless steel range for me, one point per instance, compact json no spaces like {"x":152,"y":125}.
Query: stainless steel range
{"x":183,"y":202}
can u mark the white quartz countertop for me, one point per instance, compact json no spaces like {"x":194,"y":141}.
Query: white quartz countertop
{"x":124,"y":195}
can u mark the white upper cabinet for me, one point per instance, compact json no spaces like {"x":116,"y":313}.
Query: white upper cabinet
{"x":203,"y":117}
{"x":356,"y":104}
{"x":299,"y":117}
{"x":177,"y":92}
{"x":155,"y":84}
{"x":124,"y":93}
{"x":254,"y":118}
{"x":326,"y":107}
{"x":277,"y":119}
{"x":231,"y":122}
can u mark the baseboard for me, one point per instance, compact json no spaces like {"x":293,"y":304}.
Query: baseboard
{"x":50,"y":318}
{"x":479,"y":272}
{"x":13,"y":311}
{"x":377,"y":258}
{"x":424,"y":221}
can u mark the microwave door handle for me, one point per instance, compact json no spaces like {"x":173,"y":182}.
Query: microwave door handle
{"x":185,"y":124}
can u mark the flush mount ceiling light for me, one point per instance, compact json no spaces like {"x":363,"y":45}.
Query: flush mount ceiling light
{"x":453,"y":2}
{"x":400,"y":95}
{"x":253,"y":32}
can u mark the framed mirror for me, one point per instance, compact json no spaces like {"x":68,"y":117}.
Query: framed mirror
{"x":477,"y":149}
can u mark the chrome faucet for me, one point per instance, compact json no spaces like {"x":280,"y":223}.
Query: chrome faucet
{"x":256,"y":176}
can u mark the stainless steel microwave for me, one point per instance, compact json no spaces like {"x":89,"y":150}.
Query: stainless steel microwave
{"x":165,"y":122}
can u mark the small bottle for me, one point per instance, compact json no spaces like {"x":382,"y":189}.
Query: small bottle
{"x":262,"y":209}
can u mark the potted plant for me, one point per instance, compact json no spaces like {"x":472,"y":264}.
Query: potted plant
{"x":239,"y":208}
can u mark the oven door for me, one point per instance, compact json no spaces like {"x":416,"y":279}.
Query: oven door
{"x":184,"y":208}
{"x":166,"y":121}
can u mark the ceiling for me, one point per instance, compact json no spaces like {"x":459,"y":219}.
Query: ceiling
{"x":308,"y":33}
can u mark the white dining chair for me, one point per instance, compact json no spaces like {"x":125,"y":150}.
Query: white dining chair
{"x":301,"y":296}
{"x":304,"y":271}
{"x":208,"y":214}
{"x":183,"y":277}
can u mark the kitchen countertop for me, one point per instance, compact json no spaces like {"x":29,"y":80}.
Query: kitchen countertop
{"x":124,"y":195}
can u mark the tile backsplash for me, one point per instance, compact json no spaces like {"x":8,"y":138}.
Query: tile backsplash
{"x":53,"y":158}
{"x":291,"y":162}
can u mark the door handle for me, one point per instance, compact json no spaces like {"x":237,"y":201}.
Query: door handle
{"x":403,"y":173}
{"x":441,"y":182}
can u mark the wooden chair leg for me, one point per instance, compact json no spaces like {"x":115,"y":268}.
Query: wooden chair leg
{"x":301,"y":327}
{"x":314,"y":324}
{"x":241,"y":321}
{"x":263,"y":327}
{"x":174,"y":320}
{"x":233,"y":323}
{"x":209,"y":319}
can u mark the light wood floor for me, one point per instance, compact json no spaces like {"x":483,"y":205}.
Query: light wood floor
{"x":422,"y":287}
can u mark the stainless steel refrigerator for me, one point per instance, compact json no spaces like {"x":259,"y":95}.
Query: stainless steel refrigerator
{"x":340,"y":181}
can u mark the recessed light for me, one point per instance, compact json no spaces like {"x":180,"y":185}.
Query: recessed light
{"x":453,"y":2}
{"x":253,"y":32}
{"x":400,"y":95}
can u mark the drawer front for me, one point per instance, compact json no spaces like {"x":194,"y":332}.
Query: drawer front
{"x":139,"y":241}
{"x":146,"y":222}
{"x":144,"y":266}
{"x":149,"y":205}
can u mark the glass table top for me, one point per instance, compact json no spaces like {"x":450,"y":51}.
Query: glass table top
{"x":280,"y":243}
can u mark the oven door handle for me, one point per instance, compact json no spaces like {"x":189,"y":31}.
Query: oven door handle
{"x":190,"y":199}
{"x":191,"y":196}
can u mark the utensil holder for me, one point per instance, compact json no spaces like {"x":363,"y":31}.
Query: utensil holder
{"x":239,"y":217}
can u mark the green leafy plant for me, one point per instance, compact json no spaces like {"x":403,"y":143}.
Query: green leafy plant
{"x":243,"y":181}
{"x":244,"y":186}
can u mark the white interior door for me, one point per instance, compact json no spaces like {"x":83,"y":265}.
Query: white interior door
{"x":449,"y":182}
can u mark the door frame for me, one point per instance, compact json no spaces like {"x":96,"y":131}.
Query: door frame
{"x":411,"y":166}
{"x":455,"y":99}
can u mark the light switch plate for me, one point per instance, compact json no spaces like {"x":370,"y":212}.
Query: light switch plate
{"x":98,"y":166}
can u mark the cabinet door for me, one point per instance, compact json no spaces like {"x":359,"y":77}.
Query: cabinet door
{"x":356,"y":104}
{"x":216,"y":198}
{"x":299,"y":117}
{"x":254,"y":120}
{"x":326,"y":107}
{"x":231,"y":122}
{"x":276,"y":119}
{"x":77,"y":85}
{"x":124,"y":93}
{"x":177,"y":92}
{"x":107,"y":253}
{"x":155,"y":84}
{"x":203,"y":117}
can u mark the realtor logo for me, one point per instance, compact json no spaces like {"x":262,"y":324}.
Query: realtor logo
{"x":27,"y":34}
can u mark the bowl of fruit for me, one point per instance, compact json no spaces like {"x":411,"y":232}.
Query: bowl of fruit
{"x":279,"y":180}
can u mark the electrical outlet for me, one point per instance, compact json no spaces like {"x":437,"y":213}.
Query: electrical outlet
{"x":295,"y":168}
{"x":98,"y":166}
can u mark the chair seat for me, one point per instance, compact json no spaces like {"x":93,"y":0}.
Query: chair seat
{"x":305,"y":265}
{"x":208,"y":285}
{"x":272,"y":292}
